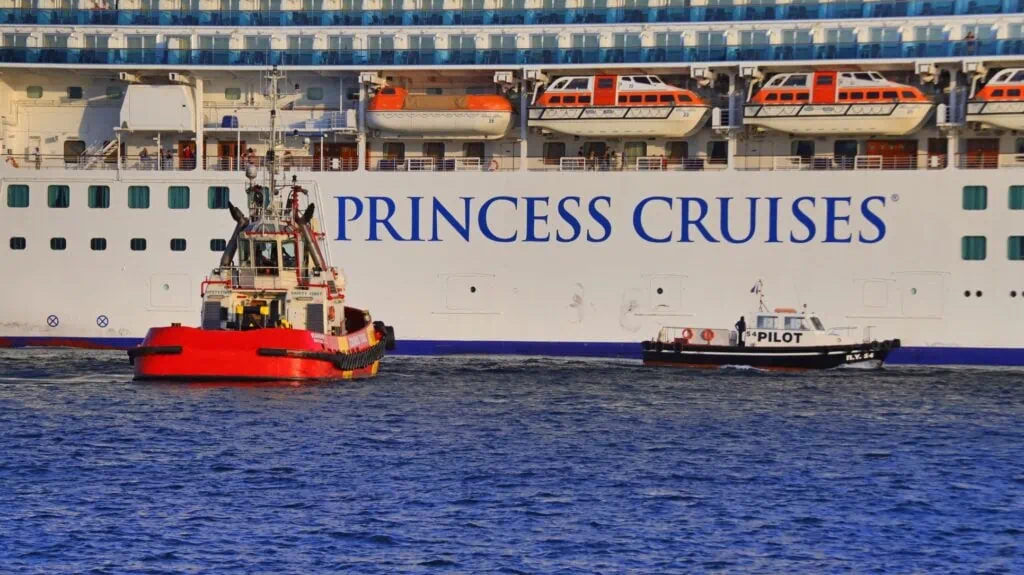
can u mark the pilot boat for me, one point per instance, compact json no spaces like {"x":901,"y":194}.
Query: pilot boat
{"x":394,"y":112}
{"x":276,"y":312}
{"x":617,"y":106}
{"x":778,"y":339}
{"x":832,"y":102}
{"x":1000,"y":102}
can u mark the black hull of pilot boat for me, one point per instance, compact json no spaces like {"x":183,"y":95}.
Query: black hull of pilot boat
{"x":772,"y":358}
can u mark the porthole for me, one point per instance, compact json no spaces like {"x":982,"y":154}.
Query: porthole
{"x":1013,"y":293}
{"x":472,"y":289}
{"x":660,"y":291}
{"x":978,"y":293}
{"x":913,"y":291}
{"x":967,"y":293}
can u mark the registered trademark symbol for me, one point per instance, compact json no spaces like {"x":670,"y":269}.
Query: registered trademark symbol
{"x":52,"y":321}
{"x":895,"y":197}
{"x":102,"y":321}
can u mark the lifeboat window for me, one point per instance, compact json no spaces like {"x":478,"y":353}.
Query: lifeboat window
{"x":569,"y":100}
{"x":997,"y":93}
{"x":641,"y":80}
{"x":98,"y":244}
{"x":872,"y":95}
{"x":843,"y":96}
{"x":138,"y":244}
{"x":863,"y":76}
{"x":824,"y":81}
{"x":856,"y":95}
{"x":655,"y":80}
{"x":667,"y":98}
{"x":776,"y":81}
{"x":218,"y":245}
{"x":177,"y":244}
{"x":803,"y":96}
{"x":1018,"y":77}
{"x":635,"y":99}
{"x":17,"y":243}
{"x":817,"y":324}
{"x":584,"y":99}
{"x":266,"y":257}
{"x":1013,"y":93}
{"x":877,"y":76}
{"x":890,"y":95}
{"x":796,"y":81}
{"x":605,"y":83}
{"x":579,"y":84}
{"x":651,"y":98}
{"x":787,"y":96}
{"x":623,"y":99}
{"x":684,"y":98}
{"x":244,"y":253}
{"x":559,"y":84}
{"x":388,"y":91}
{"x":771,"y":97}
{"x":766,"y":322}
{"x":908,"y":94}
{"x":555,"y":100}
{"x":796,"y":323}
{"x":288,"y":257}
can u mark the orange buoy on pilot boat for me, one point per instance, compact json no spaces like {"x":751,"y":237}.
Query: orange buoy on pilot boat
{"x":274,"y":309}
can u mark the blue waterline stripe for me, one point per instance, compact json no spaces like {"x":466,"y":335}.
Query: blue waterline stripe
{"x":992,"y":356}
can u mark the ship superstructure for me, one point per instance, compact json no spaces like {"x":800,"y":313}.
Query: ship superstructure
{"x":541,"y":177}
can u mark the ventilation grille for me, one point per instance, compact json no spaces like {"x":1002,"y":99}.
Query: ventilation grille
{"x":315,"y":317}
{"x":211,"y":315}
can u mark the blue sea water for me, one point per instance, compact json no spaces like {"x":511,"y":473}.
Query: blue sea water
{"x":477,"y":465}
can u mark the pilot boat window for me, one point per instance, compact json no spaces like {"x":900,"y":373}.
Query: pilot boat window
{"x":288,"y":257}
{"x":796,"y":323}
{"x":266,"y":257}
{"x":766,"y":322}
{"x":817,"y":324}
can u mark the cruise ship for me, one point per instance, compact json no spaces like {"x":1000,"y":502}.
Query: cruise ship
{"x":549,"y":177}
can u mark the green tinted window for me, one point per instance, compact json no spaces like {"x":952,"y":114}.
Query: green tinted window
{"x":138,"y":197}
{"x":217,"y":197}
{"x":177,"y":197}
{"x":975,"y":197}
{"x":99,"y":196}
{"x":17,"y":196}
{"x":1017,"y":197}
{"x":972,"y":248}
{"x":58,"y":196}
{"x":1015,"y":248}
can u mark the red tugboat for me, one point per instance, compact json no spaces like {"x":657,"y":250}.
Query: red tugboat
{"x":277,"y":312}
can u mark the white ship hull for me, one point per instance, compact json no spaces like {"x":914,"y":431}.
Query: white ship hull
{"x":440,"y":124}
{"x":669,"y":122}
{"x":882,"y":119}
{"x":600,"y":266}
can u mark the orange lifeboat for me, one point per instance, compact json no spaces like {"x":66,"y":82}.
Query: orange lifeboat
{"x":999,"y":102}
{"x":831,"y":102}
{"x":394,"y":111}
{"x":636,"y":105}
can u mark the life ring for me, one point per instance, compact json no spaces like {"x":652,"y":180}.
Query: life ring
{"x":493,"y":166}
{"x":707,"y":334}
{"x":687,"y":334}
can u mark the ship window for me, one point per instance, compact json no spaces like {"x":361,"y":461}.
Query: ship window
{"x":796,"y":323}
{"x":635,"y":99}
{"x":843,"y":95}
{"x":872,"y":95}
{"x":802,"y":148}
{"x":73,"y":150}
{"x":553,"y":152}
{"x":178,"y":244}
{"x":622,"y":99}
{"x":58,"y":196}
{"x":394,"y":150}
{"x":678,"y":150}
{"x":975,"y":197}
{"x":288,"y":257}
{"x":773,"y":97}
{"x":217,"y":197}
{"x":718,"y":152}
{"x":803,"y":96}
{"x":98,"y":244}
{"x":1017,"y":197}
{"x":908,"y":94}
{"x":641,"y":80}
{"x":315,"y":93}
{"x":34,"y":92}
{"x":863,"y":76}
{"x":555,"y":100}
{"x":579,"y":84}
{"x":890,"y":94}
{"x":1018,"y":77}
{"x":605,"y":83}
{"x":74,"y":92}
{"x":787,"y":96}
{"x":232,"y":93}
{"x":823,"y":81}
{"x":1015,"y":248}
{"x":796,"y":81}
{"x":266,"y":257}
{"x":972,"y":248}
{"x":817,"y":324}
{"x":218,"y":245}
{"x":651,"y":98}
{"x":138,"y":197}
{"x":997,"y":93}
{"x":584,"y":99}
{"x":138,"y":244}
{"x":684,"y":98}
{"x":99,"y":196}
{"x":856,"y":95}
{"x":17,"y":243}
{"x":177,"y":197}
{"x":569,"y":100}
{"x":58,"y":244}
{"x":17,"y":196}
{"x":766,"y":322}
{"x":666,"y":98}
{"x":114,"y":92}
{"x":244,"y":250}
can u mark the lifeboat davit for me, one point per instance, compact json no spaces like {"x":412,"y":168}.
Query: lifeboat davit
{"x":395,"y":112}
{"x":830,"y":102}
{"x":999,"y":103}
{"x":608,"y":105}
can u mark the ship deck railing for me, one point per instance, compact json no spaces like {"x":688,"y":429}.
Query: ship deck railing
{"x":841,"y":9}
{"x":163,"y":56}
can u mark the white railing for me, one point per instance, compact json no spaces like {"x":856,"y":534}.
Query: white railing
{"x":650,"y":164}
{"x":425,"y":164}
{"x":572,"y":164}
